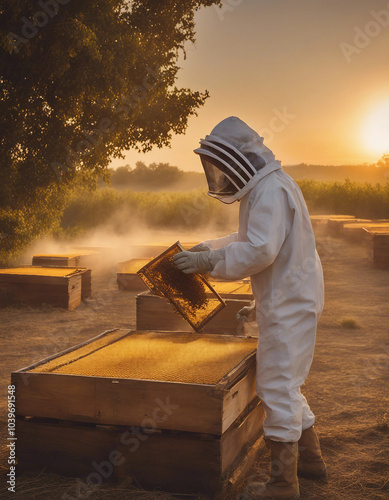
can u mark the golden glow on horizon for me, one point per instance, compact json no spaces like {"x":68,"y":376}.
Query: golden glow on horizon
{"x":375,"y":132}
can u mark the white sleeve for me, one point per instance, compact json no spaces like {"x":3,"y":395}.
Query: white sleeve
{"x":221,"y":242}
{"x":269,"y":222}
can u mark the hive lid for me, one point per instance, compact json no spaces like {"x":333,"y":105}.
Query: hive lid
{"x":191,"y":294}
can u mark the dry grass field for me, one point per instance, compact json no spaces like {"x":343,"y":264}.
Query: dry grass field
{"x":347,"y":387}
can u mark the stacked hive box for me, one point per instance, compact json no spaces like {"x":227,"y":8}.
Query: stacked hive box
{"x":176,"y":410}
{"x":57,"y":286}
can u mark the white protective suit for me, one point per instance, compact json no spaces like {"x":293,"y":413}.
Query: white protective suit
{"x":275,"y":246}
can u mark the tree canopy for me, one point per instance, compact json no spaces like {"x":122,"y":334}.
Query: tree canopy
{"x":83,"y":81}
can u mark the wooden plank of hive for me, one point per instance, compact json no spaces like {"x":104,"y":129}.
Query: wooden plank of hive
{"x":180,"y":462}
{"x":335,"y":225}
{"x":86,"y":284}
{"x":58,"y":292}
{"x":47,"y":260}
{"x":156,"y":313}
{"x":123,"y":401}
{"x":127,"y":277}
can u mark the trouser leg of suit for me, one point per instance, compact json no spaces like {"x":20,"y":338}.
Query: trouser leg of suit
{"x":284,"y":358}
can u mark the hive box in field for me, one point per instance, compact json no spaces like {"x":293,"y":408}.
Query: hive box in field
{"x":335,"y":225}
{"x":357,"y":231}
{"x":179,"y":410}
{"x":35,"y":285}
{"x":127,"y":277}
{"x":378,"y":240}
{"x":157,"y":313}
{"x":89,"y":257}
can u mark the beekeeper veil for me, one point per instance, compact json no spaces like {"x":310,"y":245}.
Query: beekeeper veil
{"x":233,"y":156}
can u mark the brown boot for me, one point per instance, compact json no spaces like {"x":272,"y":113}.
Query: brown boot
{"x":310,"y":463}
{"x":283,"y":483}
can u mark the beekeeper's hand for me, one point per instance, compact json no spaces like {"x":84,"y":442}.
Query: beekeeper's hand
{"x":193,"y":262}
{"x":201,"y":247}
{"x":247,"y":313}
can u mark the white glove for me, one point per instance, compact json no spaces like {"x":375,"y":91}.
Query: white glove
{"x":201,"y":247}
{"x":193,"y":262}
{"x":247,"y":313}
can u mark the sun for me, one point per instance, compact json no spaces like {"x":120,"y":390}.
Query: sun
{"x":375,"y":132}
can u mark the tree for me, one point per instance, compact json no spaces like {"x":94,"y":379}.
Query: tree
{"x":83,"y":81}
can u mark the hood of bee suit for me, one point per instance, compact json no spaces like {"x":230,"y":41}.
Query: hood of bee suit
{"x":234,"y":159}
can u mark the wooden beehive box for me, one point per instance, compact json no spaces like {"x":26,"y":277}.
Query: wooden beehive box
{"x":67,"y":259}
{"x":180,"y":409}
{"x":357,"y":231}
{"x":127,"y":279}
{"x":379,"y":246}
{"x":335,"y":225}
{"x":322,"y":220}
{"x":157,"y":313}
{"x":35,"y":285}
{"x":91,"y":258}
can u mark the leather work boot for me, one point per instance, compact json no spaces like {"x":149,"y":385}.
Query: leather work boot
{"x":283,"y":483}
{"x":310,"y":463}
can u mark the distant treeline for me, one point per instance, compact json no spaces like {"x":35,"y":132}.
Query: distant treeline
{"x":155,"y":177}
{"x":165,"y":177}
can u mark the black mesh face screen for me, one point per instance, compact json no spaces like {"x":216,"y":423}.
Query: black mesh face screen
{"x":218,"y":182}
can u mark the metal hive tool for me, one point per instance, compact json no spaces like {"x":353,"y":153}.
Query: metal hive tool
{"x":191,"y":294}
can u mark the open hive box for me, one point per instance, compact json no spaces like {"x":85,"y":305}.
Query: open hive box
{"x":57,"y":286}
{"x":175,"y":410}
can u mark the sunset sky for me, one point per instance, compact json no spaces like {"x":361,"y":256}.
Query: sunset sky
{"x":322,"y":65}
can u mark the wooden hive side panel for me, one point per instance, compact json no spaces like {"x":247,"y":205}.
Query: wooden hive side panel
{"x":225,"y":322}
{"x":119,"y":402}
{"x":54,"y":261}
{"x":35,"y":290}
{"x":156,"y":313}
{"x":240,"y":394}
{"x":243,"y":433}
{"x":74,"y":291}
{"x":86,"y":284}
{"x":129,"y":281}
{"x":179,"y":462}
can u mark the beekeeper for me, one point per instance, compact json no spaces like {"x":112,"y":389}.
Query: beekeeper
{"x":275,"y":246}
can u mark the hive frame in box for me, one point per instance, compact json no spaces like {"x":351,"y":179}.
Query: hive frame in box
{"x":145,"y":274}
{"x":65,"y":423}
